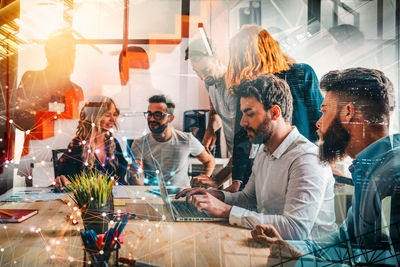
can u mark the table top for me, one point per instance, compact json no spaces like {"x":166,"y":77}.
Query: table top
{"x":48,"y":239}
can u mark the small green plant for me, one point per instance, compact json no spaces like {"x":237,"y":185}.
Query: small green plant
{"x":91,"y":189}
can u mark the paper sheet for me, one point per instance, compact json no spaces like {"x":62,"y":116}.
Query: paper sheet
{"x":31,"y":194}
{"x":120,"y":191}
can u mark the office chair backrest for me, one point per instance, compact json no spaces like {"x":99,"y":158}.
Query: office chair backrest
{"x":343,"y":180}
{"x":56,"y":155}
{"x":129,"y":143}
{"x":195,"y":121}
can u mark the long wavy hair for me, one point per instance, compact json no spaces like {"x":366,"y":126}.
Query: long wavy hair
{"x":89,"y":128}
{"x":253,"y":51}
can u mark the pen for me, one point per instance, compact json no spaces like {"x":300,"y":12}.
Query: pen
{"x":6,"y":213}
{"x":109,"y":235}
{"x":122,"y":225}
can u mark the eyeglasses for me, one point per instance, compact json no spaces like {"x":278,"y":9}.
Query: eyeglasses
{"x":158,"y":115}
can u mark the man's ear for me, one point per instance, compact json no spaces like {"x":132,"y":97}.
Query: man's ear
{"x":275,"y":112}
{"x":171,"y":118}
{"x":348,"y":112}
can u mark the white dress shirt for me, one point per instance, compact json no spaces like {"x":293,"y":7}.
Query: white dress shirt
{"x":289,"y":189}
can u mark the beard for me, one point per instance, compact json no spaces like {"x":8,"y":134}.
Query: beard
{"x":209,"y":80}
{"x":262,"y":134}
{"x":333,"y":143}
{"x":160,"y":127}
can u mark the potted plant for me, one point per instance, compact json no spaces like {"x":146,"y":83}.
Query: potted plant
{"x":92,"y":193}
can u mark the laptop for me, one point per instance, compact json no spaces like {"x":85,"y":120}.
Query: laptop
{"x":172,"y":191}
{"x":180,"y":211}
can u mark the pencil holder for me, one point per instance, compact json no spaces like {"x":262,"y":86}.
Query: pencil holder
{"x":92,"y":256}
{"x":96,"y":219}
{"x":99,"y":247}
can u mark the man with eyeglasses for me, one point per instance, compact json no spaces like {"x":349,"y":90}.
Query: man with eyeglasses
{"x":165,"y":151}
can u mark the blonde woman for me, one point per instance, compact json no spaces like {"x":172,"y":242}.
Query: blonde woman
{"x":94,"y":147}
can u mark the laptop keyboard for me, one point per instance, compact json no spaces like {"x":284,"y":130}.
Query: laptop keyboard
{"x":187,"y":210}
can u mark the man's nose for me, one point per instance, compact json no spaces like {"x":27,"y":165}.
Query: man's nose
{"x":243,"y":121}
{"x":318,"y":123}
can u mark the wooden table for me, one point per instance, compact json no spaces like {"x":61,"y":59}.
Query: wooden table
{"x":47,"y":239}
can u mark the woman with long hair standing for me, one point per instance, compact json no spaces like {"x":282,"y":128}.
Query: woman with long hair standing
{"x":94,"y":147}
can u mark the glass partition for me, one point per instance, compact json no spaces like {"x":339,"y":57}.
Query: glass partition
{"x":59,"y":59}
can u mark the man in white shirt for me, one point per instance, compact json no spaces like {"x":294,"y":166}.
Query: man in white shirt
{"x":289,"y":187}
{"x":165,"y":151}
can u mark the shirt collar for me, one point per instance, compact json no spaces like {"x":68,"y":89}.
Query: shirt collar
{"x":283,"y":147}
{"x":376,"y":150}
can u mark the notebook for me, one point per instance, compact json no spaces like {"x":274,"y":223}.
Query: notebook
{"x":18,"y":215}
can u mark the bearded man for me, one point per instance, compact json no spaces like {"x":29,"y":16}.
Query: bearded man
{"x":166,"y":151}
{"x":355,"y":122}
{"x":288,"y":188}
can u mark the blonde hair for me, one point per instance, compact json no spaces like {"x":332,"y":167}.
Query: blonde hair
{"x":89,"y":127}
{"x":253,"y":51}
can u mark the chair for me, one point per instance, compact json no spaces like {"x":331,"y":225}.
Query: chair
{"x":129,"y":143}
{"x":56,"y":155}
{"x":14,"y":149}
{"x":195,"y":121}
{"x":129,"y":152}
{"x":343,"y":180}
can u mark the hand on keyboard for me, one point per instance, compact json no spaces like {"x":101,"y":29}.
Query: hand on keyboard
{"x":209,"y":200}
{"x":203,"y":180}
